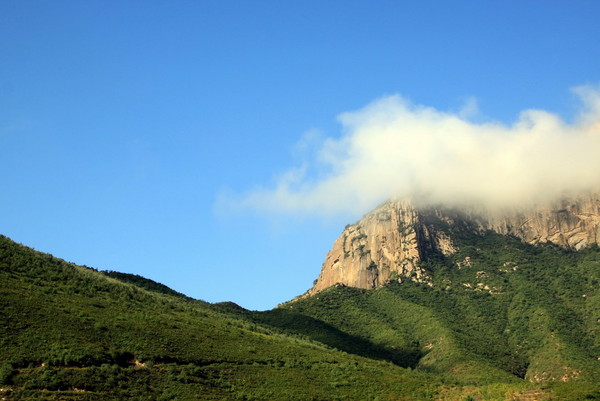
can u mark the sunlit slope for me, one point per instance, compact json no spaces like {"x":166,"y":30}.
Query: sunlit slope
{"x":70,"y":332}
{"x":499,"y":310}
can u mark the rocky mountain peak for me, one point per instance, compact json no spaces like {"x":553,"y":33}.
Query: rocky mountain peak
{"x":392,"y":241}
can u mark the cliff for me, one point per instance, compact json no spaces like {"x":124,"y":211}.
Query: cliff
{"x":393,"y":240}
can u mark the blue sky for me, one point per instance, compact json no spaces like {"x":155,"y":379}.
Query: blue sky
{"x":131,"y":133}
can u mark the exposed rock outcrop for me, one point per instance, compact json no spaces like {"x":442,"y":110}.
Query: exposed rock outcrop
{"x":392,"y":241}
{"x":572,"y":223}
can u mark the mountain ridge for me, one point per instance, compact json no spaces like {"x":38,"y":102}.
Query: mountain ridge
{"x":491,"y":317}
{"x":393,"y":240}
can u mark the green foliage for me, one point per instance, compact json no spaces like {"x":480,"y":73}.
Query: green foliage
{"x":514,"y":311}
{"x":500,"y":314}
{"x":142,"y":282}
{"x":6,"y":373}
{"x":71,"y":332}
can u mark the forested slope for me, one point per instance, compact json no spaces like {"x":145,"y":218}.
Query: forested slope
{"x":71,"y":332}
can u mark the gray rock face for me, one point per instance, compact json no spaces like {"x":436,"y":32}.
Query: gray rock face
{"x":572,"y":223}
{"x":390,"y":242}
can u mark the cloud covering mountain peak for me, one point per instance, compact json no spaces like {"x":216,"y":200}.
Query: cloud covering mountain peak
{"x":393,"y":148}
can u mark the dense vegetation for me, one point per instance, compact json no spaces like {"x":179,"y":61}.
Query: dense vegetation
{"x":502,"y":321}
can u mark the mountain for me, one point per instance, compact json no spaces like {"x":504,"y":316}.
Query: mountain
{"x":394,"y":240}
{"x":437,"y":304}
{"x":496,"y":305}
{"x":74,"y":333}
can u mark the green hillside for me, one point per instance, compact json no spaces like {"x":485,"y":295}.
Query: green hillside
{"x":499,"y":310}
{"x":73,"y":333}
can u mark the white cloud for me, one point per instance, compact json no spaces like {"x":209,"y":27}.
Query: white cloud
{"x":393,"y":148}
